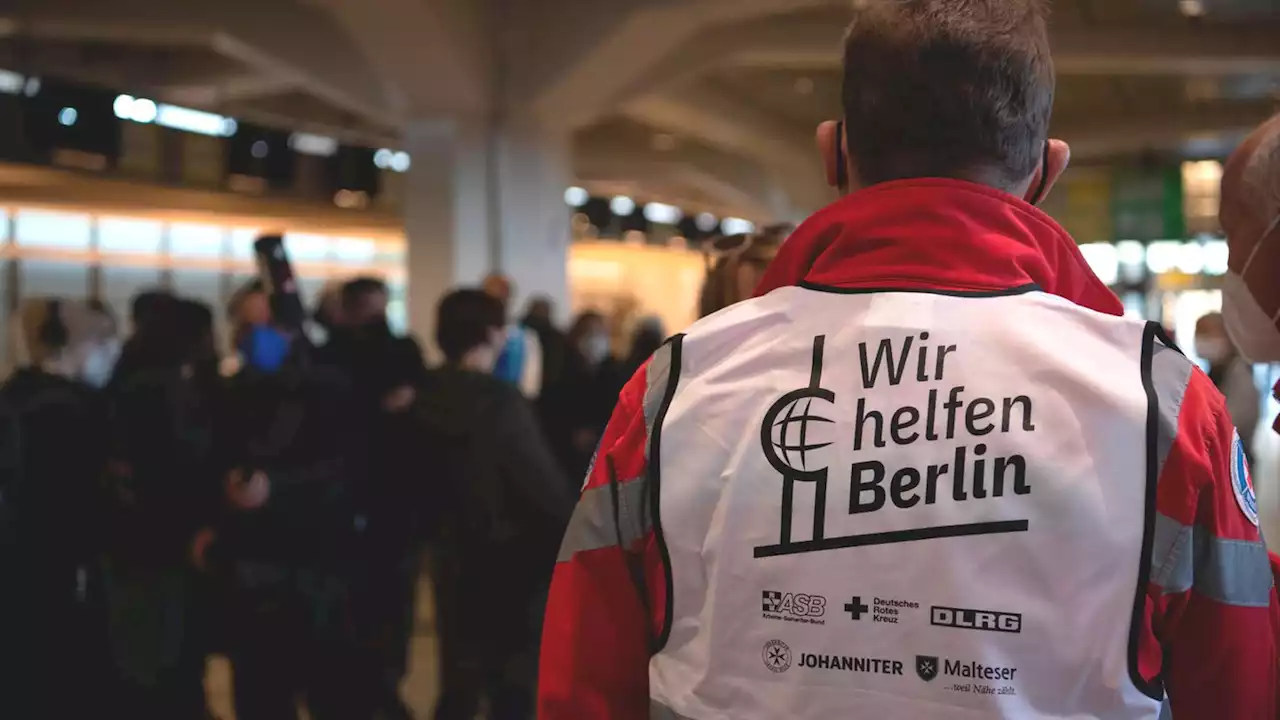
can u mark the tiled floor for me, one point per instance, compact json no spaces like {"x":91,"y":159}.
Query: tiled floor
{"x":419,"y":688}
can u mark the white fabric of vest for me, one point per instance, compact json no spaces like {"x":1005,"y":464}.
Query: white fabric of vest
{"x":1071,"y":576}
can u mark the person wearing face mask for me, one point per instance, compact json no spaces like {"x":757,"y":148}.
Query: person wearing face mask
{"x":385,"y":370}
{"x":55,"y":615}
{"x":1232,"y":375}
{"x":929,"y":470}
{"x":578,"y":405}
{"x":502,"y":501}
{"x":1250,"y":216}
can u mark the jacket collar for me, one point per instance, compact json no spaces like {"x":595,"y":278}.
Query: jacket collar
{"x":937,"y":234}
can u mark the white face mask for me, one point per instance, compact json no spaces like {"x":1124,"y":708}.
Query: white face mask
{"x":1248,"y":325}
{"x":1215,"y":350}
{"x":99,"y":363}
{"x":595,"y":348}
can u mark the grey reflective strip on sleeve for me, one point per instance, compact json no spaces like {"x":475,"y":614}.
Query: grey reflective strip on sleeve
{"x":658,"y":711}
{"x":1183,"y":557}
{"x":1166,"y":710}
{"x":1170,"y":375}
{"x":1232,"y":572}
{"x":592,"y":526}
{"x":657,"y":376}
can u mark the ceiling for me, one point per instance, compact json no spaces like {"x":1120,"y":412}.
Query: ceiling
{"x":709,"y":103}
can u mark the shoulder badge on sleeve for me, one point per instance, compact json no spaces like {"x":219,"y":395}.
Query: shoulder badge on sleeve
{"x":1242,"y":481}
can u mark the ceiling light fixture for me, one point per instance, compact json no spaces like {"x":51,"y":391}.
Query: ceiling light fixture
{"x":622,"y":206}
{"x":1191,"y":8}
{"x":576,"y":197}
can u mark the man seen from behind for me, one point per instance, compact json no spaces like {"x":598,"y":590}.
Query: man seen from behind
{"x":930,"y":470}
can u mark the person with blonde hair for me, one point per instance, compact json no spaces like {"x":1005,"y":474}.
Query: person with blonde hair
{"x":54,"y":616}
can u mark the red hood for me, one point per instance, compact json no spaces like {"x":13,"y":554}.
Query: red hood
{"x":937,"y":234}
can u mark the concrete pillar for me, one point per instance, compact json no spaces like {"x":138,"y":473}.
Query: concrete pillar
{"x":477,"y":202}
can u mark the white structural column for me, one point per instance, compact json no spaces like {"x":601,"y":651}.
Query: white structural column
{"x":533,"y":170}
{"x":478,"y":201}
{"x":445,"y":215}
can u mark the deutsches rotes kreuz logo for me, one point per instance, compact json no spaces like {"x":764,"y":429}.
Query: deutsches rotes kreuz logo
{"x":1242,"y":482}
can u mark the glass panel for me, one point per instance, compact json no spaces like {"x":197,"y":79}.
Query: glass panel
{"x":190,"y":240}
{"x":357,"y":251}
{"x":305,"y":246}
{"x":40,"y":278}
{"x":129,"y":235}
{"x":121,"y":284}
{"x":49,"y":229}
{"x":242,"y":242}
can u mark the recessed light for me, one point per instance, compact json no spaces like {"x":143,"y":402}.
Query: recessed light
{"x":1191,"y":8}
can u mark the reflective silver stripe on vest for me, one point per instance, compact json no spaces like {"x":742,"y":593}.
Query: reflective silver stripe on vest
{"x":657,"y":376}
{"x":592,"y":526}
{"x":1166,"y":710}
{"x":1170,"y":375}
{"x":658,"y":711}
{"x":1232,"y":572}
{"x":1183,"y":557}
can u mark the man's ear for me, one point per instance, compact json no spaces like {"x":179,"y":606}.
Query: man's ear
{"x":1059,"y":157}
{"x":827,"y":139}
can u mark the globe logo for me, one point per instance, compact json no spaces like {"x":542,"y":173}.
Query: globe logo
{"x":796,"y":432}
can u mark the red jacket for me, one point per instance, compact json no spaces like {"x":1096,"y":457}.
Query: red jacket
{"x":608,"y":605}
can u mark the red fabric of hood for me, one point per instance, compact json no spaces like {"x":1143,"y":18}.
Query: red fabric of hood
{"x":937,"y":234}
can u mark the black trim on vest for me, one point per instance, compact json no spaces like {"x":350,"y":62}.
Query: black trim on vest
{"x":655,"y":487}
{"x":1153,"y":688}
{"x":1019,"y":290}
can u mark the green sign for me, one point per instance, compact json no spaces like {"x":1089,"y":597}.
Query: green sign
{"x":1147,"y":205}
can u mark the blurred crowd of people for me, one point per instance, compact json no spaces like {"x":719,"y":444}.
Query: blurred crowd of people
{"x":162,"y":501}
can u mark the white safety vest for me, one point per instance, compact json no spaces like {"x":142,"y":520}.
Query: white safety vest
{"x":902,"y":505}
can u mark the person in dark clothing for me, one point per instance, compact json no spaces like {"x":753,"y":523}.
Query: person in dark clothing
{"x":286,"y":446}
{"x":555,"y":346}
{"x":385,"y":371}
{"x":580,"y":403}
{"x":648,"y":337}
{"x":164,"y":403}
{"x":52,"y":612}
{"x":504,"y":502}
{"x":154,"y":316}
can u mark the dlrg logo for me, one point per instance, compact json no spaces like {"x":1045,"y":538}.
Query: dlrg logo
{"x":968,"y":619}
{"x":794,"y":604}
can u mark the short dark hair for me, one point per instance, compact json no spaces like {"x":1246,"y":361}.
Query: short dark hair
{"x":251,"y":287}
{"x":147,"y":304}
{"x":948,"y":88}
{"x":357,"y":289}
{"x":464,"y":321}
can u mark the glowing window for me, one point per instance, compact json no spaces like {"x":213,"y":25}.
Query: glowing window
{"x":191,"y":240}
{"x":50,"y":229}
{"x":129,"y":235}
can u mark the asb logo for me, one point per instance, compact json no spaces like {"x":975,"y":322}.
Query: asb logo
{"x":776,"y":656}
{"x":1242,"y":481}
{"x":795,"y":604}
{"x":927,"y":667}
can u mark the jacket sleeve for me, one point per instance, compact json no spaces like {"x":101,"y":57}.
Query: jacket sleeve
{"x":1212,"y":614}
{"x":599,"y":626}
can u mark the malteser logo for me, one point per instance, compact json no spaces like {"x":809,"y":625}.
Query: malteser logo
{"x":927,"y":667}
{"x":967,"y":619}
